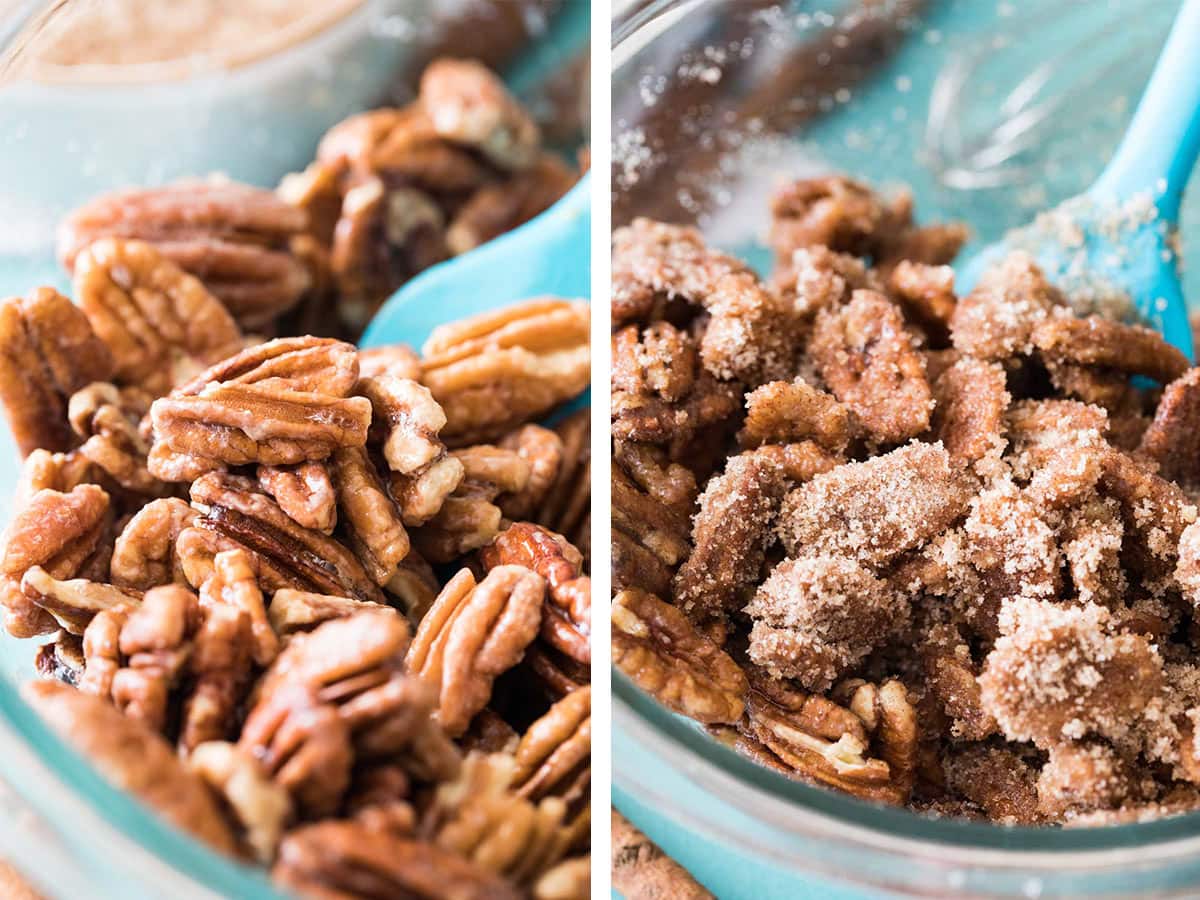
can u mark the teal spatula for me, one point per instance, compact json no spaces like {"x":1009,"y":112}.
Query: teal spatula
{"x":1120,"y":235}
{"x":548,"y":255}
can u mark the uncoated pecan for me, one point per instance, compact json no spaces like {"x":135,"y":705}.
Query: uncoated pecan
{"x":336,"y":860}
{"x":236,"y":514}
{"x":472,"y":635}
{"x":279,"y":403}
{"x":48,"y":351}
{"x":567,"y":612}
{"x":497,"y":370}
{"x":231,"y":236}
{"x":161,"y":324}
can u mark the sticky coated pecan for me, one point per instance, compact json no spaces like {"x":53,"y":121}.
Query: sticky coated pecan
{"x":553,"y":757}
{"x":568,"y":501}
{"x":821,"y":741}
{"x":480,"y":817}
{"x":303,"y":744}
{"x":370,"y":520}
{"x":496,"y":370}
{"x":144,"y":554}
{"x":73,"y":603}
{"x":469,"y":105}
{"x":470,"y":517}
{"x":231,"y":236}
{"x":223,"y":648}
{"x":543,"y":450}
{"x":292,"y":611}
{"x":57,"y":531}
{"x":234,"y":584}
{"x":662,"y":652}
{"x":567,"y":612}
{"x":474,"y":633}
{"x":161,"y":324}
{"x":48,"y":351}
{"x":107,"y":419}
{"x":337,"y":860}
{"x":133,"y":758}
{"x":408,"y":419}
{"x":236,"y":514}
{"x":303,"y":491}
{"x":498,"y":207}
{"x":261,"y":806}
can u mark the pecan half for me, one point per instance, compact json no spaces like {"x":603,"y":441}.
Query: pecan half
{"x":335,"y":860}
{"x":494,"y":371}
{"x":827,"y":743}
{"x":144,"y":554}
{"x":554,"y":755}
{"x":74,"y":603}
{"x":57,"y":531}
{"x":231,"y":236}
{"x":48,"y":351}
{"x":567,"y":612}
{"x":161,"y":324}
{"x":649,"y":536}
{"x":108,"y":421}
{"x":133,"y":758}
{"x":469,"y":105}
{"x":473,"y":634}
{"x":568,"y":501}
{"x":469,"y":518}
{"x":663,"y":653}
{"x":234,"y":583}
{"x":408,"y":420}
{"x":483,"y":819}
{"x":303,"y":491}
{"x":261,"y":806}
{"x":370,"y":519}
{"x":292,"y":611}
{"x":236,"y":514}
{"x":499,"y":207}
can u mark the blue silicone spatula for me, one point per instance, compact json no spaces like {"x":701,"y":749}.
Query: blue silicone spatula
{"x":1121,"y":232}
{"x":549,"y":255}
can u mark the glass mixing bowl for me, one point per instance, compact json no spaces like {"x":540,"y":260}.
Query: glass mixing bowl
{"x":253,"y":108}
{"x":990,"y":111}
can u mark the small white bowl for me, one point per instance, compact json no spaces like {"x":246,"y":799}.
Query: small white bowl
{"x":63,"y":142}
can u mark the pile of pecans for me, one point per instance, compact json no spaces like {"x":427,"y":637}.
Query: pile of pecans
{"x":930,"y":550}
{"x":391,"y":193}
{"x":323,"y":608}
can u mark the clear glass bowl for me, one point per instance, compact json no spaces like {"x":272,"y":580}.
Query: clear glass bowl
{"x":990,"y":112}
{"x":253,"y":113}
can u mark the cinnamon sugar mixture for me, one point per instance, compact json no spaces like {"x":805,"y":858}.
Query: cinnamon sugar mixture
{"x":933,"y":550}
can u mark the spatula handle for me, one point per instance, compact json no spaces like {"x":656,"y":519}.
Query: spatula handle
{"x":1162,"y":142}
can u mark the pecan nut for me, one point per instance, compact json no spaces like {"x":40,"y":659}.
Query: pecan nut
{"x":663,"y":653}
{"x":48,"y":351}
{"x":370,"y":520}
{"x":108,"y":421}
{"x":144,"y":554}
{"x":261,"y":806}
{"x":335,"y":860}
{"x":236,"y":514}
{"x":73,"y":603}
{"x":494,"y":371}
{"x":473,"y":634}
{"x":553,"y":757}
{"x":303,"y":491}
{"x":233,"y":237}
{"x":567,"y":613}
{"x":133,"y":758}
{"x":161,"y":324}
